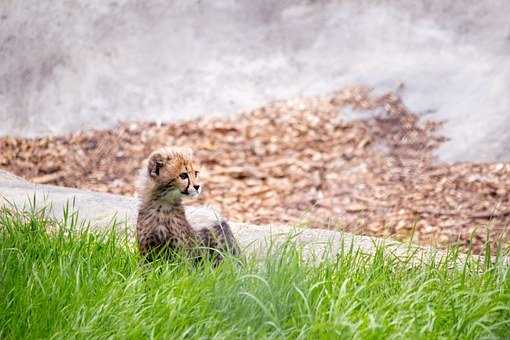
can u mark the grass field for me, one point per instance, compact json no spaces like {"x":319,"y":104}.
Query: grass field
{"x":70,"y":284}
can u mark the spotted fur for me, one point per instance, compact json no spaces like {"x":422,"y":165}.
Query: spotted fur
{"x":169,"y":175}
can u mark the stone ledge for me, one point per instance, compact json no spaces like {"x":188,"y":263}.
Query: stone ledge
{"x":101,"y":208}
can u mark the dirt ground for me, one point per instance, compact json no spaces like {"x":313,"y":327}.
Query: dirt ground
{"x":299,"y":162}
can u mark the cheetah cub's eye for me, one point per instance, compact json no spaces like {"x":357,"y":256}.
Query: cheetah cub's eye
{"x":183,"y":175}
{"x":196,"y":173}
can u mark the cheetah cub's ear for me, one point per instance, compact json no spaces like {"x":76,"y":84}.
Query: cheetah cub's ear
{"x":156,"y":162}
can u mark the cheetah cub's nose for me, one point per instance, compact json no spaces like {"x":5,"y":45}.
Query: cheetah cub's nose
{"x":196,"y":186}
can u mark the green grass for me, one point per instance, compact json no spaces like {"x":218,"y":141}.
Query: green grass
{"x":77,"y":284}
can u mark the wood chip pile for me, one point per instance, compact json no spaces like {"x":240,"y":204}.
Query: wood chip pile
{"x":299,"y":162}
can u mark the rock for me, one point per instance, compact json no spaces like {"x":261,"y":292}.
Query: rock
{"x":68,"y":66}
{"x":100,"y":209}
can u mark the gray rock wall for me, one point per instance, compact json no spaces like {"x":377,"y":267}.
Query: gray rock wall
{"x":69,"y":65}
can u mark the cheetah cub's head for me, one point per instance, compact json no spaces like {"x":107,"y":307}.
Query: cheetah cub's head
{"x":173,"y":173}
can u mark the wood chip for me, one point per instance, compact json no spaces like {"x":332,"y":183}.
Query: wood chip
{"x":298,"y":161}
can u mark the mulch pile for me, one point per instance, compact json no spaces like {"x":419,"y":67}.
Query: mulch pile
{"x":299,"y":162}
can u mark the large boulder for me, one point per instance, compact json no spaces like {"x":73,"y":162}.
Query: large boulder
{"x":101,"y":210}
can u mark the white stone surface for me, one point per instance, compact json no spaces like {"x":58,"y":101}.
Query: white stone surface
{"x":70,"y":65}
{"x":100,"y":209}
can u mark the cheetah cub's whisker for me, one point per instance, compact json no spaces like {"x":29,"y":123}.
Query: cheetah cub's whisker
{"x":164,"y":225}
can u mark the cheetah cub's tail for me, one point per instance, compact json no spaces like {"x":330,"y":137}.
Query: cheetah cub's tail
{"x":212,"y":228}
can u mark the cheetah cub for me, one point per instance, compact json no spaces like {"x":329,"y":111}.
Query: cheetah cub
{"x":164,"y":224}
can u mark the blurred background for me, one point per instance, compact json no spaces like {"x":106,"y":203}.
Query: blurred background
{"x":385,"y":117}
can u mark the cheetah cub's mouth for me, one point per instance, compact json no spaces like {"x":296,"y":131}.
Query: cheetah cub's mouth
{"x":192,"y":192}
